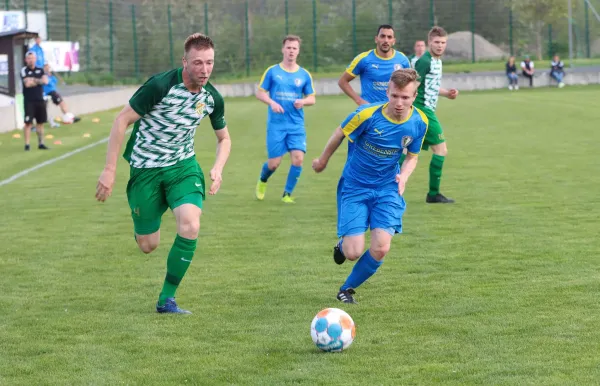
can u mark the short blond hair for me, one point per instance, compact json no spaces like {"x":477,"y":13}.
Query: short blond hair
{"x":292,"y":38}
{"x":437,"y":32}
{"x":404,"y":76}
{"x":198,"y":41}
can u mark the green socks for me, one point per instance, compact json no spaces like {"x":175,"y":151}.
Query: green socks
{"x":435,"y":174}
{"x":178,"y":262}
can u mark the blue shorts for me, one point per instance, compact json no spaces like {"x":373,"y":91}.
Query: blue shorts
{"x":362,"y":208}
{"x":282,"y":141}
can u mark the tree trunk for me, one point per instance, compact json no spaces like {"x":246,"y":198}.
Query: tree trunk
{"x":539,"y":40}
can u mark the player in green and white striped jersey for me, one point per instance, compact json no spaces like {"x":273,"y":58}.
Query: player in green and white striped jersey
{"x":164,"y":172}
{"x":429,"y":67}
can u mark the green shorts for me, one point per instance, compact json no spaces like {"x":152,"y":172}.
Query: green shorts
{"x":435,"y":134}
{"x":151,"y":191}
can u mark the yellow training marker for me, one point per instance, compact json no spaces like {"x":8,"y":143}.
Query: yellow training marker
{"x":95,"y":120}
{"x":86,"y":135}
{"x":16,"y":135}
{"x":49,"y":136}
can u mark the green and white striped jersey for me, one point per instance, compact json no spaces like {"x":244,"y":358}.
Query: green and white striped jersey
{"x":430,"y":71}
{"x":170,"y":114}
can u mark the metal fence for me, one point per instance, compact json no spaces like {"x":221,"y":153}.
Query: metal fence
{"x":135,"y":38}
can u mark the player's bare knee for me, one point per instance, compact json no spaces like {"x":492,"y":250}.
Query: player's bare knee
{"x":273,"y":164}
{"x":352,"y":251}
{"x":147,"y":244}
{"x":379,"y":251}
{"x":189,"y":228}
{"x":298,"y":159}
{"x":441,"y":149}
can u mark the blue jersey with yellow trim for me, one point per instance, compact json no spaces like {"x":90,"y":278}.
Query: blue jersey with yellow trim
{"x":378,"y":144}
{"x":285,"y":88}
{"x":375,"y":73}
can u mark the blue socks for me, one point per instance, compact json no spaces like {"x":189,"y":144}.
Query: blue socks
{"x":363,"y":269}
{"x":265,"y":173}
{"x":292,"y":178}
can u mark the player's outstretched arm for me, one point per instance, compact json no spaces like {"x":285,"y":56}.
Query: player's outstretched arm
{"x":126,"y":117}
{"x":449,"y":93}
{"x":344,"y":84}
{"x":223,"y":150}
{"x":334,"y":142}
{"x":408,"y":166}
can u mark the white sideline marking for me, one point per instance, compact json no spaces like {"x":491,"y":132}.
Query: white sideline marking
{"x":53,"y":160}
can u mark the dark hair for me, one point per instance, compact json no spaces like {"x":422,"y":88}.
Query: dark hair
{"x":198,"y":41}
{"x":384,"y":26}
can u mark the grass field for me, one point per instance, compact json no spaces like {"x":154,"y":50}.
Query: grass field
{"x":500,"y":288}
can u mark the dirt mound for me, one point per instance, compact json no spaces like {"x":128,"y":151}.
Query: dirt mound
{"x":459,"y":47}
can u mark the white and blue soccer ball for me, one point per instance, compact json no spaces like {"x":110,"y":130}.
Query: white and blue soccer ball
{"x":332,"y":330}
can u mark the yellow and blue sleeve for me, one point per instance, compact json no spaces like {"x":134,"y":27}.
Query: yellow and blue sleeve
{"x":309,"y":87}
{"x":356,"y":122}
{"x":265,"y":80}
{"x":355,"y":68}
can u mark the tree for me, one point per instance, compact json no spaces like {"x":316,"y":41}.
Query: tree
{"x":540,"y":13}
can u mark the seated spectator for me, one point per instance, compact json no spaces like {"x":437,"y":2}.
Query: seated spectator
{"x":511,"y":74}
{"x":557,"y":72}
{"x":50,"y":92}
{"x":528,"y":69}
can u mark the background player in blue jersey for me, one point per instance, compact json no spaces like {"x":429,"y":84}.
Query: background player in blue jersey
{"x":51,"y":92}
{"x":286,"y":88}
{"x":371,"y":196}
{"x":375,"y":68}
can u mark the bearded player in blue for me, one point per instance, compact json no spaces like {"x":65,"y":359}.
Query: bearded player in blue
{"x":371,"y":196}
{"x":286,"y":88}
{"x":374,"y":67}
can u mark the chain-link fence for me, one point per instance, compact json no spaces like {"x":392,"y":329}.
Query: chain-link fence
{"x":135,"y":38}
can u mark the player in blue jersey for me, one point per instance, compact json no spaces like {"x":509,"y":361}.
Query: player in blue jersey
{"x":51,"y":93}
{"x":374,"y":67}
{"x":286,"y":88}
{"x":371,"y":196}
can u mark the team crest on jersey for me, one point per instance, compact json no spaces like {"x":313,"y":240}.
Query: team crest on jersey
{"x":397,"y":66}
{"x":406,"y":140}
{"x":200,"y":108}
{"x":298,"y":82}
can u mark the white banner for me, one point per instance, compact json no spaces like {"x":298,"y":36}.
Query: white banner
{"x":11,"y":20}
{"x":15,"y":20}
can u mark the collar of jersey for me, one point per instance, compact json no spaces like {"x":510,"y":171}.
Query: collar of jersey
{"x":391,"y":57}
{"x":289,"y":72}
{"x":412,"y":108}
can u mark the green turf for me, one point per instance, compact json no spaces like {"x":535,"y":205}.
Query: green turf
{"x":500,"y":288}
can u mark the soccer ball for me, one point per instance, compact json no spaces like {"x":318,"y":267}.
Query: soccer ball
{"x":68,"y":118}
{"x":332,"y":329}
